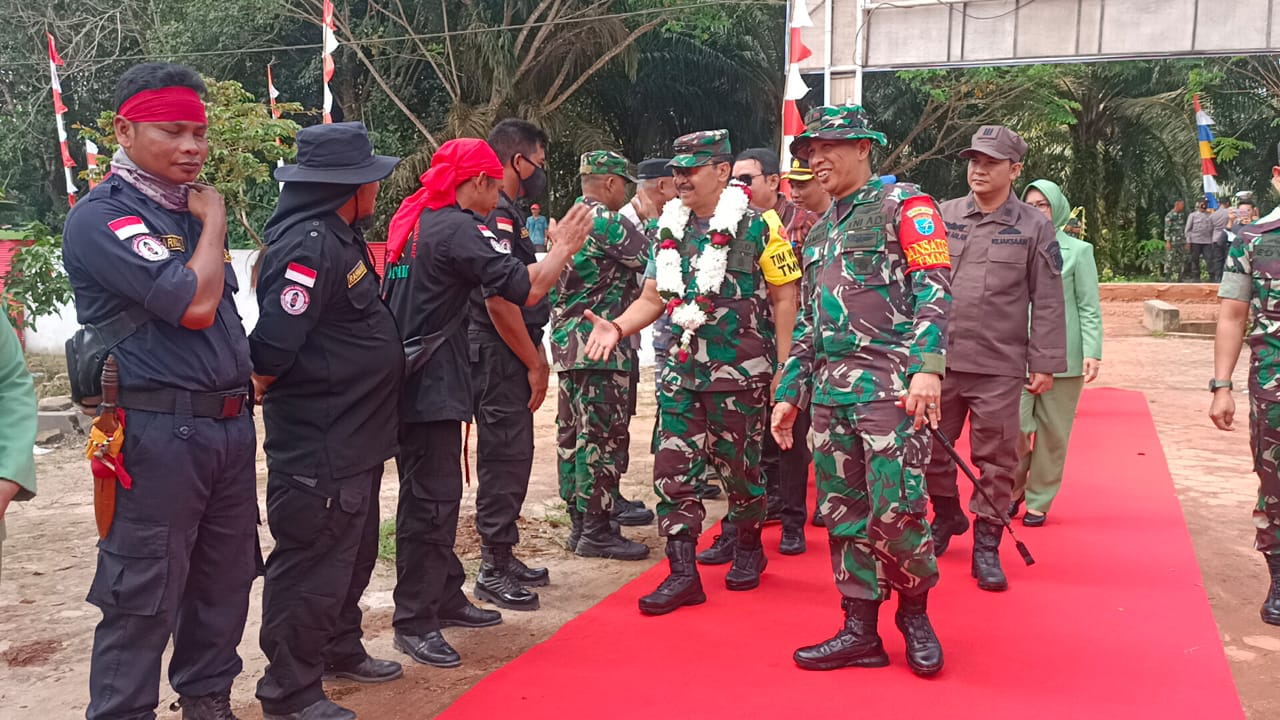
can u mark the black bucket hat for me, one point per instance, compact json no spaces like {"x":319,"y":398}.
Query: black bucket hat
{"x":339,"y":154}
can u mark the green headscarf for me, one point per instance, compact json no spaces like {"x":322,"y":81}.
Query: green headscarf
{"x":1057,"y":202}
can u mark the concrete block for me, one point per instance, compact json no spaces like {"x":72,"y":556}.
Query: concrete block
{"x":50,"y":437}
{"x":54,"y":404}
{"x":71,"y":423}
{"x":1160,"y":316}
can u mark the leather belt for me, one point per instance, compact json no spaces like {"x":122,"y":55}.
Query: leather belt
{"x":219,"y":406}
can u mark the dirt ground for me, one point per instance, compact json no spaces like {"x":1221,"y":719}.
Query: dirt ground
{"x":46,"y":628}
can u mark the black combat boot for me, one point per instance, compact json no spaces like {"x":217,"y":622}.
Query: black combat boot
{"x":319,"y":710}
{"x":705,"y":490}
{"x":205,"y":707}
{"x":631,"y":513}
{"x":924,"y":652}
{"x":496,"y":584}
{"x":948,"y":520}
{"x":683,"y":586}
{"x":986,"y":556}
{"x":575,"y":528}
{"x":527,"y":576}
{"x":600,"y":540}
{"x":792,"y":542}
{"x":772,"y":510}
{"x":721,"y":550}
{"x":856,"y":645}
{"x":1271,"y":606}
{"x":748,"y":561}
{"x":817,"y":520}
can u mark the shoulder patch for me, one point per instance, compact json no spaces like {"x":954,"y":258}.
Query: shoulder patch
{"x":149,"y":247}
{"x":295,"y":299}
{"x":504,"y":225}
{"x":356,"y":273}
{"x":922,"y":235}
{"x":300,"y":274}
{"x":127,"y":226}
{"x":502,"y":246}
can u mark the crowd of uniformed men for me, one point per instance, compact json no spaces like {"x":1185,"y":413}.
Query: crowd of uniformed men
{"x":858,"y":311}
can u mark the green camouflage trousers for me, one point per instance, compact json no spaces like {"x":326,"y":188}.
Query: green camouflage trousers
{"x":869,"y":465}
{"x":1264,"y":437}
{"x":723,"y":430}
{"x":591,"y":432}
{"x":1175,"y":262}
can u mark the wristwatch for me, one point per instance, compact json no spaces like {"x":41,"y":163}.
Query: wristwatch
{"x":1215,"y":385}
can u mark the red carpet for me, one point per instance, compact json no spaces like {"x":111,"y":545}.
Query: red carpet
{"x":1112,"y":622}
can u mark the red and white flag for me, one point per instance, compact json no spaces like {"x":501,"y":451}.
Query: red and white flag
{"x":59,"y":109}
{"x":300,"y":274}
{"x":329,"y":44}
{"x":128,"y":226}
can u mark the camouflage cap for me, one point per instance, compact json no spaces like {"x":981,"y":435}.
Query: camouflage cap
{"x":701,"y":148}
{"x":799,"y":171}
{"x":604,"y":162}
{"x":996,"y":141}
{"x":834,"y":122}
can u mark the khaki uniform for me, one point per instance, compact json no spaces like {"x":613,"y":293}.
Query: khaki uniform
{"x":1006,"y":271}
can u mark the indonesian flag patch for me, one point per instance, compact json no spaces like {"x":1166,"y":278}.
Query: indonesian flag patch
{"x":300,"y":274}
{"x":504,"y":225}
{"x":128,"y":226}
{"x":922,"y":234}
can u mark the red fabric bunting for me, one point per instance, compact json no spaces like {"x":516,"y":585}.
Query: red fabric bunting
{"x":799,"y":51}
{"x":792,"y":122}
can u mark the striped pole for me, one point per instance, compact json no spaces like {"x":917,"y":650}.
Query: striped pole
{"x":91,"y":160}
{"x":330,"y":44}
{"x":795,"y":88}
{"x":272,"y":94}
{"x":59,"y":110}
{"x":1204,"y":133}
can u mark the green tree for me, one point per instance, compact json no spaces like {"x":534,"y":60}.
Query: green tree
{"x":36,"y":285}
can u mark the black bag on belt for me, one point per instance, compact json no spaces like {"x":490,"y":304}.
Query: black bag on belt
{"x":88,"y":348}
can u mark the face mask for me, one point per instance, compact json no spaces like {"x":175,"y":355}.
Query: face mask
{"x":534,"y":185}
{"x":361,"y":225}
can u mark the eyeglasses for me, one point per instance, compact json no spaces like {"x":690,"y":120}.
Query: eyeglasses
{"x":1041,"y":205}
{"x":746,"y":178}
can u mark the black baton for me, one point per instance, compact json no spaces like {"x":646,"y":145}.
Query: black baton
{"x":951,"y":450}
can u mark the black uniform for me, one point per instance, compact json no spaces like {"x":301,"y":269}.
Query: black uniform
{"x":331,"y":422}
{"x":182,"y":552}
{"x":504,"y":425}
{"x":453,"y":253}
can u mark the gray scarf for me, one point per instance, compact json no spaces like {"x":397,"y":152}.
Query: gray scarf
{"x":167,"y":195}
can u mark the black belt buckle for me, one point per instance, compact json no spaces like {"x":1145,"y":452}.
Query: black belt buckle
{"x":233,"y":405}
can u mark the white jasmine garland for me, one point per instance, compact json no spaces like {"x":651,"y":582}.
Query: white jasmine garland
{"x":709,"y":267}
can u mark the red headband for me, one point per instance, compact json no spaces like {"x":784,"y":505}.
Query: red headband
{"x":164,"y":105}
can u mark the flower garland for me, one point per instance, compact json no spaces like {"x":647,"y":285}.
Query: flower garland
{"x":708,"y":267}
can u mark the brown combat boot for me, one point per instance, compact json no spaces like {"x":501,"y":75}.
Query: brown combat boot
{"x":683,"y":586}
{"x":857,"y":644}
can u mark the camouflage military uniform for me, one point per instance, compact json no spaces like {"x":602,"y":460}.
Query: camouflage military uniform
{"x":873,"y":311}
{"x":1252,"y":275}
{"x":594,"y":396}
{"x":711,"y":404}
{"x":1175,"y":256}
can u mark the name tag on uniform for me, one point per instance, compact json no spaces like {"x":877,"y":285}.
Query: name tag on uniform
{"x":174,"y":243}
{"x":226,"y":256}
{"x":357,"y":272}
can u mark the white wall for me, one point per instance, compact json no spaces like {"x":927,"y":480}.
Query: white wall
{"x":55,"y":330}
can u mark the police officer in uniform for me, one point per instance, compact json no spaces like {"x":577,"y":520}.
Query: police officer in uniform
{"x":439,"y":250}
{"x":509,"y":371}
{"x":149,"y":244}
{"x":868,"y":355}
{"x":1248,"y":292}
{"x":327,"y":361}
{"x":1006,"y":272}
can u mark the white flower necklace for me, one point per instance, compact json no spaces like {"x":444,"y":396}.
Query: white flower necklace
{"x":709,"y":266}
